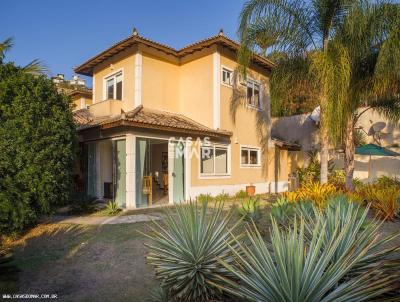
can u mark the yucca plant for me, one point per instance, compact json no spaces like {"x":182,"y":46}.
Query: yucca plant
{"x":185,"y":250}
{"x":334,"y":256}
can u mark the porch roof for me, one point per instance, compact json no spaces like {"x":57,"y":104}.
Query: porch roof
{"x":146,"y":118}
{"x":290,"y":146}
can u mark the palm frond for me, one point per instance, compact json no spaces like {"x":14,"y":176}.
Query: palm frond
{"x":36,"y":67}
{"x":5,"y":46}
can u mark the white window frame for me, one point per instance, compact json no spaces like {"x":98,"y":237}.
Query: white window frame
{"x":227,"y":69}
{"x":248,"y":148}
{"x":114,"y":75}
{"x":216,"y":175}
{"x":254,"y":82}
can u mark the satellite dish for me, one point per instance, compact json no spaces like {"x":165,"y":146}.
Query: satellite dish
{"x":315,"y":115}
{"x":376,"y":128}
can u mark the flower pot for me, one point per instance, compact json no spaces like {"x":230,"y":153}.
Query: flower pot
{"x":250,"y":190}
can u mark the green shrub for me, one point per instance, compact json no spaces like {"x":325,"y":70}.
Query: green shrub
{"x":204,"y":198}
{"x":242,"y":194}
{"x":37,"y":148}
{"x":112,"y":208}
{"x":332,"y":256}
{"x":222,"y":197}
{"x":383,"y":197}
{"x":82,"y":204}
{"x":385,"y":182}
{"x":250,"y":209}
{"x":185,"y":250}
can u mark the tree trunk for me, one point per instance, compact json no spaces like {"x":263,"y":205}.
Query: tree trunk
{"x":323,"y":131}
{"x":349,"y":150}
{"x":324,"y":153}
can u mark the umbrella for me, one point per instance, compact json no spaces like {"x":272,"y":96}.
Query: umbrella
{"x":372,"y":149}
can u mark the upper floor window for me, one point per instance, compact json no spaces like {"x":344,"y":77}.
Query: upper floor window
{"x":214,"y":160}
{"x":227,"y":76}
{"x":250,"y":156}
{"x":114,"y":87}
{"x":253,"y":94}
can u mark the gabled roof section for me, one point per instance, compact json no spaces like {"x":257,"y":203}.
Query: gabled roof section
{"x":146,"y":118}
{"x":87,"y":67}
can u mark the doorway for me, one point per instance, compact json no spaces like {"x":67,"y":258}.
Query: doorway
{"x":152,"y":172}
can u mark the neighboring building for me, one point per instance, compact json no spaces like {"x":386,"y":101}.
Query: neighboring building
{"x":76,"y":89}
{"x":146,"y":93}
{"x":302,"y":130}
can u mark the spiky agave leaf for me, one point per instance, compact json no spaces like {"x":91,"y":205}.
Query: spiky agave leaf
{"x":339,"y":261}
{"x":185,"y":249}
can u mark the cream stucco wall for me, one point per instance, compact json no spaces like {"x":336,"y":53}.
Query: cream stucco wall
{"x":160,"y":83}
{"x":187,"y":87}
{"x":244,"y":131}
{"x":125,"y":62}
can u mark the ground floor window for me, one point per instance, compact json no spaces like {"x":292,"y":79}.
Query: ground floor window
{"x":250,"y":156}
{"x":214,"y":160}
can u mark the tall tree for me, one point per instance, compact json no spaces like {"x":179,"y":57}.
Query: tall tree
{"x":370,"y":37}
{"x":303,"y":30}
{"x":37,"y":144}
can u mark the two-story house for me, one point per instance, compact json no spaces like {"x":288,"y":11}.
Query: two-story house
{"x":163,"y":126}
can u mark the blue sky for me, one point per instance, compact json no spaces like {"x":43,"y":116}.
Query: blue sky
{"x":64,"y":34}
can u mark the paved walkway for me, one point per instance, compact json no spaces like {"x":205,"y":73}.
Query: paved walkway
{"x":104,"y":220}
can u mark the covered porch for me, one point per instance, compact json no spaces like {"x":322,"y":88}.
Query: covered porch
{"x":139,"y":158}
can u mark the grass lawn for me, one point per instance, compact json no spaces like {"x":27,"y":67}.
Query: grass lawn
{"x":82,"y":263}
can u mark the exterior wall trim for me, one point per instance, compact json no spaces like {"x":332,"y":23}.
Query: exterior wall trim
{"x":263,"y":187}
{"x":138,"y":79}
{"x":216,"y":90}
{"x":258,"y":155}
{"x":214,"y":176}
{"x":104,"y":80}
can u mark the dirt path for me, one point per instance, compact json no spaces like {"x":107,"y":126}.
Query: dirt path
{"x":101,"y":220}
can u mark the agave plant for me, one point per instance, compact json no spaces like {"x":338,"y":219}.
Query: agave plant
{"x":283,"y":210}
{"x":185,"y":251}
{"x":250,"y":209}
{"x":335,"y":256}
{"x":112,"y":208}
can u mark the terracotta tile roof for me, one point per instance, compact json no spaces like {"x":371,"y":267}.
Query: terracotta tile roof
{"x":82,"y":117}
{"x":147,"y":118}
{"x":87,"y":67}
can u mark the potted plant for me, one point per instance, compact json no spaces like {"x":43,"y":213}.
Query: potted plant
{"x":250,"y":190}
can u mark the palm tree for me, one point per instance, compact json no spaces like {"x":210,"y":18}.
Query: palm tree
{"x":304,"y":31}
{"x":371,"y":37}
{"x":35,"y":67}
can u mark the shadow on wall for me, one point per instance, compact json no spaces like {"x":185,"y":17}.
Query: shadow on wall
{"x":380,"y":166}
{"x":300,"y":129}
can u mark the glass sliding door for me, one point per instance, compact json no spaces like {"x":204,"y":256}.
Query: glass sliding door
{"x":90,"y":169}
{"x":178,"y":172}
{"x":142,"y":170}
{"x":119,"y":179}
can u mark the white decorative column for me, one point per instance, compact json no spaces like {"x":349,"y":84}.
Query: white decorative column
{"x":130,"y":171}
{"x":216,"y":90}
{"x":138,"y":79}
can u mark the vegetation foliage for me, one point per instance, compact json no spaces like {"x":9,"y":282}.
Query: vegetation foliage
{"x":185,"y":251}
{"x":37,"y":147}
{"x":331,"y":255}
